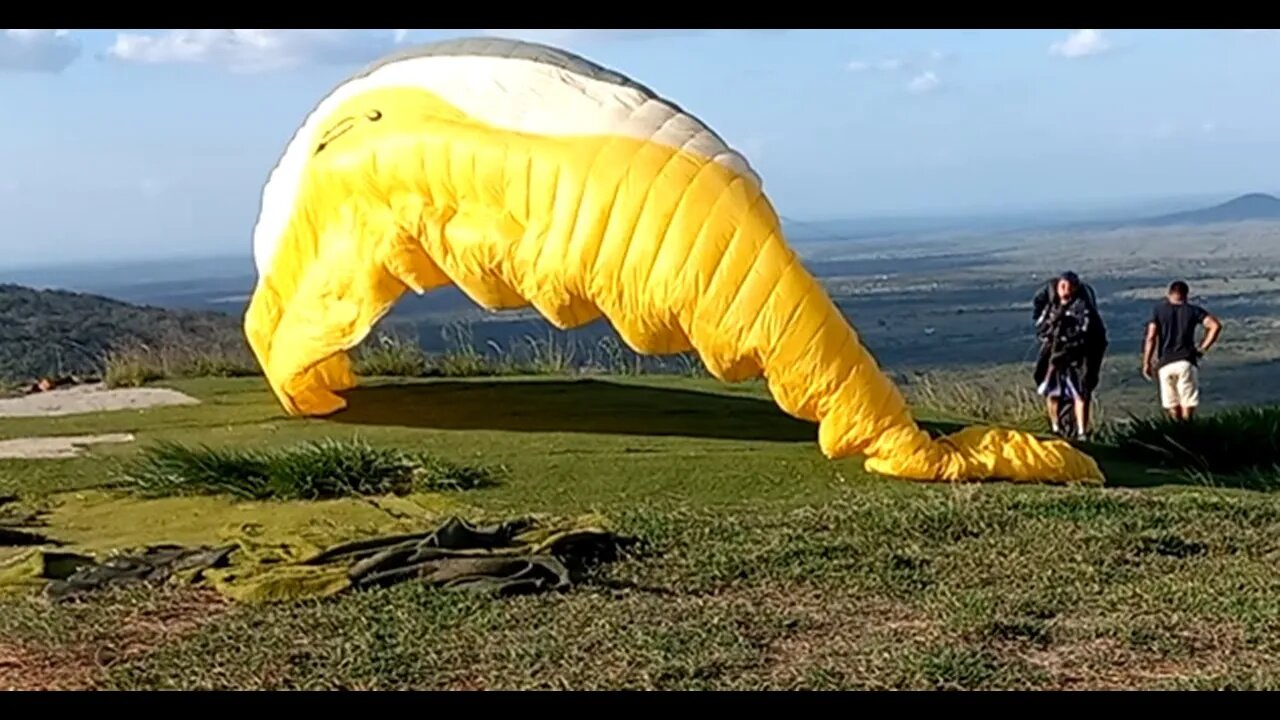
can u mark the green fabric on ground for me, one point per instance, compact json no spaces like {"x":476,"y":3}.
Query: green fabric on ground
{"x":18,"y":526}
{"x":153,"y":565}
{"x":34,"y":568}
{"x":517,"y":556}
{"x":99,"y":522}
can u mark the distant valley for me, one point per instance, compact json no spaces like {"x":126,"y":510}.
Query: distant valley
{"x":937,"y":299}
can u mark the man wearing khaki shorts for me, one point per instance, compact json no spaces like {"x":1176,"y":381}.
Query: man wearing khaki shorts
{"x":1172,"y":330}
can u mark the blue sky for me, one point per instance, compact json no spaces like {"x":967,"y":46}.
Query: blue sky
{"x":137,"y":143}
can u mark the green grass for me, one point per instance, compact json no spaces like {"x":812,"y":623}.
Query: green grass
{"x":767,"y":565}
{"x":1239,"y":446}
{"x":307,"y":471}
{"x":11,"y":389}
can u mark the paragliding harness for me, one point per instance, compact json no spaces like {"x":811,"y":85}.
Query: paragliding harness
{"x":1050,"y":330}
{"x":1049,"y":310}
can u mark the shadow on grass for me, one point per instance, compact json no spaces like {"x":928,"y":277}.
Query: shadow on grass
{"x":1124,"y":470}
{"x":581,"y":406}
{"x":573,"y":406}
{"x":593,"y":406}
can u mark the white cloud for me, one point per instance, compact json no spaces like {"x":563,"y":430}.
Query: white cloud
{"x":883,"y":65}
{"x":914,"y":63}
{"x":923,"y":79}
{"x":1081,"y":43}
{"x":925,"y":82}
{"x":260,"y":50}
{"x":49,"y":51}
{"x":255,"y":50}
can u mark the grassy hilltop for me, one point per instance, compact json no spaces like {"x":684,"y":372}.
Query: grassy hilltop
{"x":767,"y":566}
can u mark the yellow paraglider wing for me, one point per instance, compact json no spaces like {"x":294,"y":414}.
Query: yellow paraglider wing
{"x":527,"y":176}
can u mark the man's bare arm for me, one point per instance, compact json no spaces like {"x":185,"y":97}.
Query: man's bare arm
{"x":1149,"y":350}
{"x":1213,"y":328}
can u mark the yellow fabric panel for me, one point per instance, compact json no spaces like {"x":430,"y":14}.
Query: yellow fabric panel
{"x":676,"y":251}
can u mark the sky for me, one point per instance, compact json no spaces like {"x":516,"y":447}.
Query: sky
{"x":156,"y":143}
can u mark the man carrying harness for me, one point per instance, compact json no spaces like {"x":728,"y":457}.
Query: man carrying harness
{"x":1073,"y":341}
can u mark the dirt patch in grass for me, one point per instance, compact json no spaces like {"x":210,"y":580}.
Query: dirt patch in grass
{"x":26,"y":667}
{"x":826,"y":639}
{"x":179,"y":613}
{"x":1141,"y":659}
{"x":27,"y":664}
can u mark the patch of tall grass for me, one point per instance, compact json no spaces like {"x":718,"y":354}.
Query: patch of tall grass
{"x":394,"y":354}
{"x":987,"y":400}
{"x":463,"y":359}
{"x":399,"y":354}
{"x":134,"y":366}
{"x":1241,"y":445}
{"x":391,"y":355}
{"x":309,"y":471}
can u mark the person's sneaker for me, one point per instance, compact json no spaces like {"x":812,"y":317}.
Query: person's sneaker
{"x":1082,"y":436}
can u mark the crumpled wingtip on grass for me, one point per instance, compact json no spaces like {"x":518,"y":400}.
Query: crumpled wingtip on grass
{"x":315,"y":470}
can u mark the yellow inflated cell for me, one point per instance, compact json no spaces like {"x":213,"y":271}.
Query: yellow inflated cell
{"x":528,"y":177}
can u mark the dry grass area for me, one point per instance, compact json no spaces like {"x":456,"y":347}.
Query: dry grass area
{"x":136,"y":624}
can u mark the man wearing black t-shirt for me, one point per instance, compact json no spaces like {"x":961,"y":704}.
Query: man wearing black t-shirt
{"x":1170,"y":351}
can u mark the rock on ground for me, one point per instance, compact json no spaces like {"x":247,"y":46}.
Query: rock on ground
{"x":62,"y":446}
{"x":90,"y":399}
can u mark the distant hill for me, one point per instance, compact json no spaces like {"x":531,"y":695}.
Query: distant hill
{"x":44,"y":332}
{"x":1254,"y":206}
